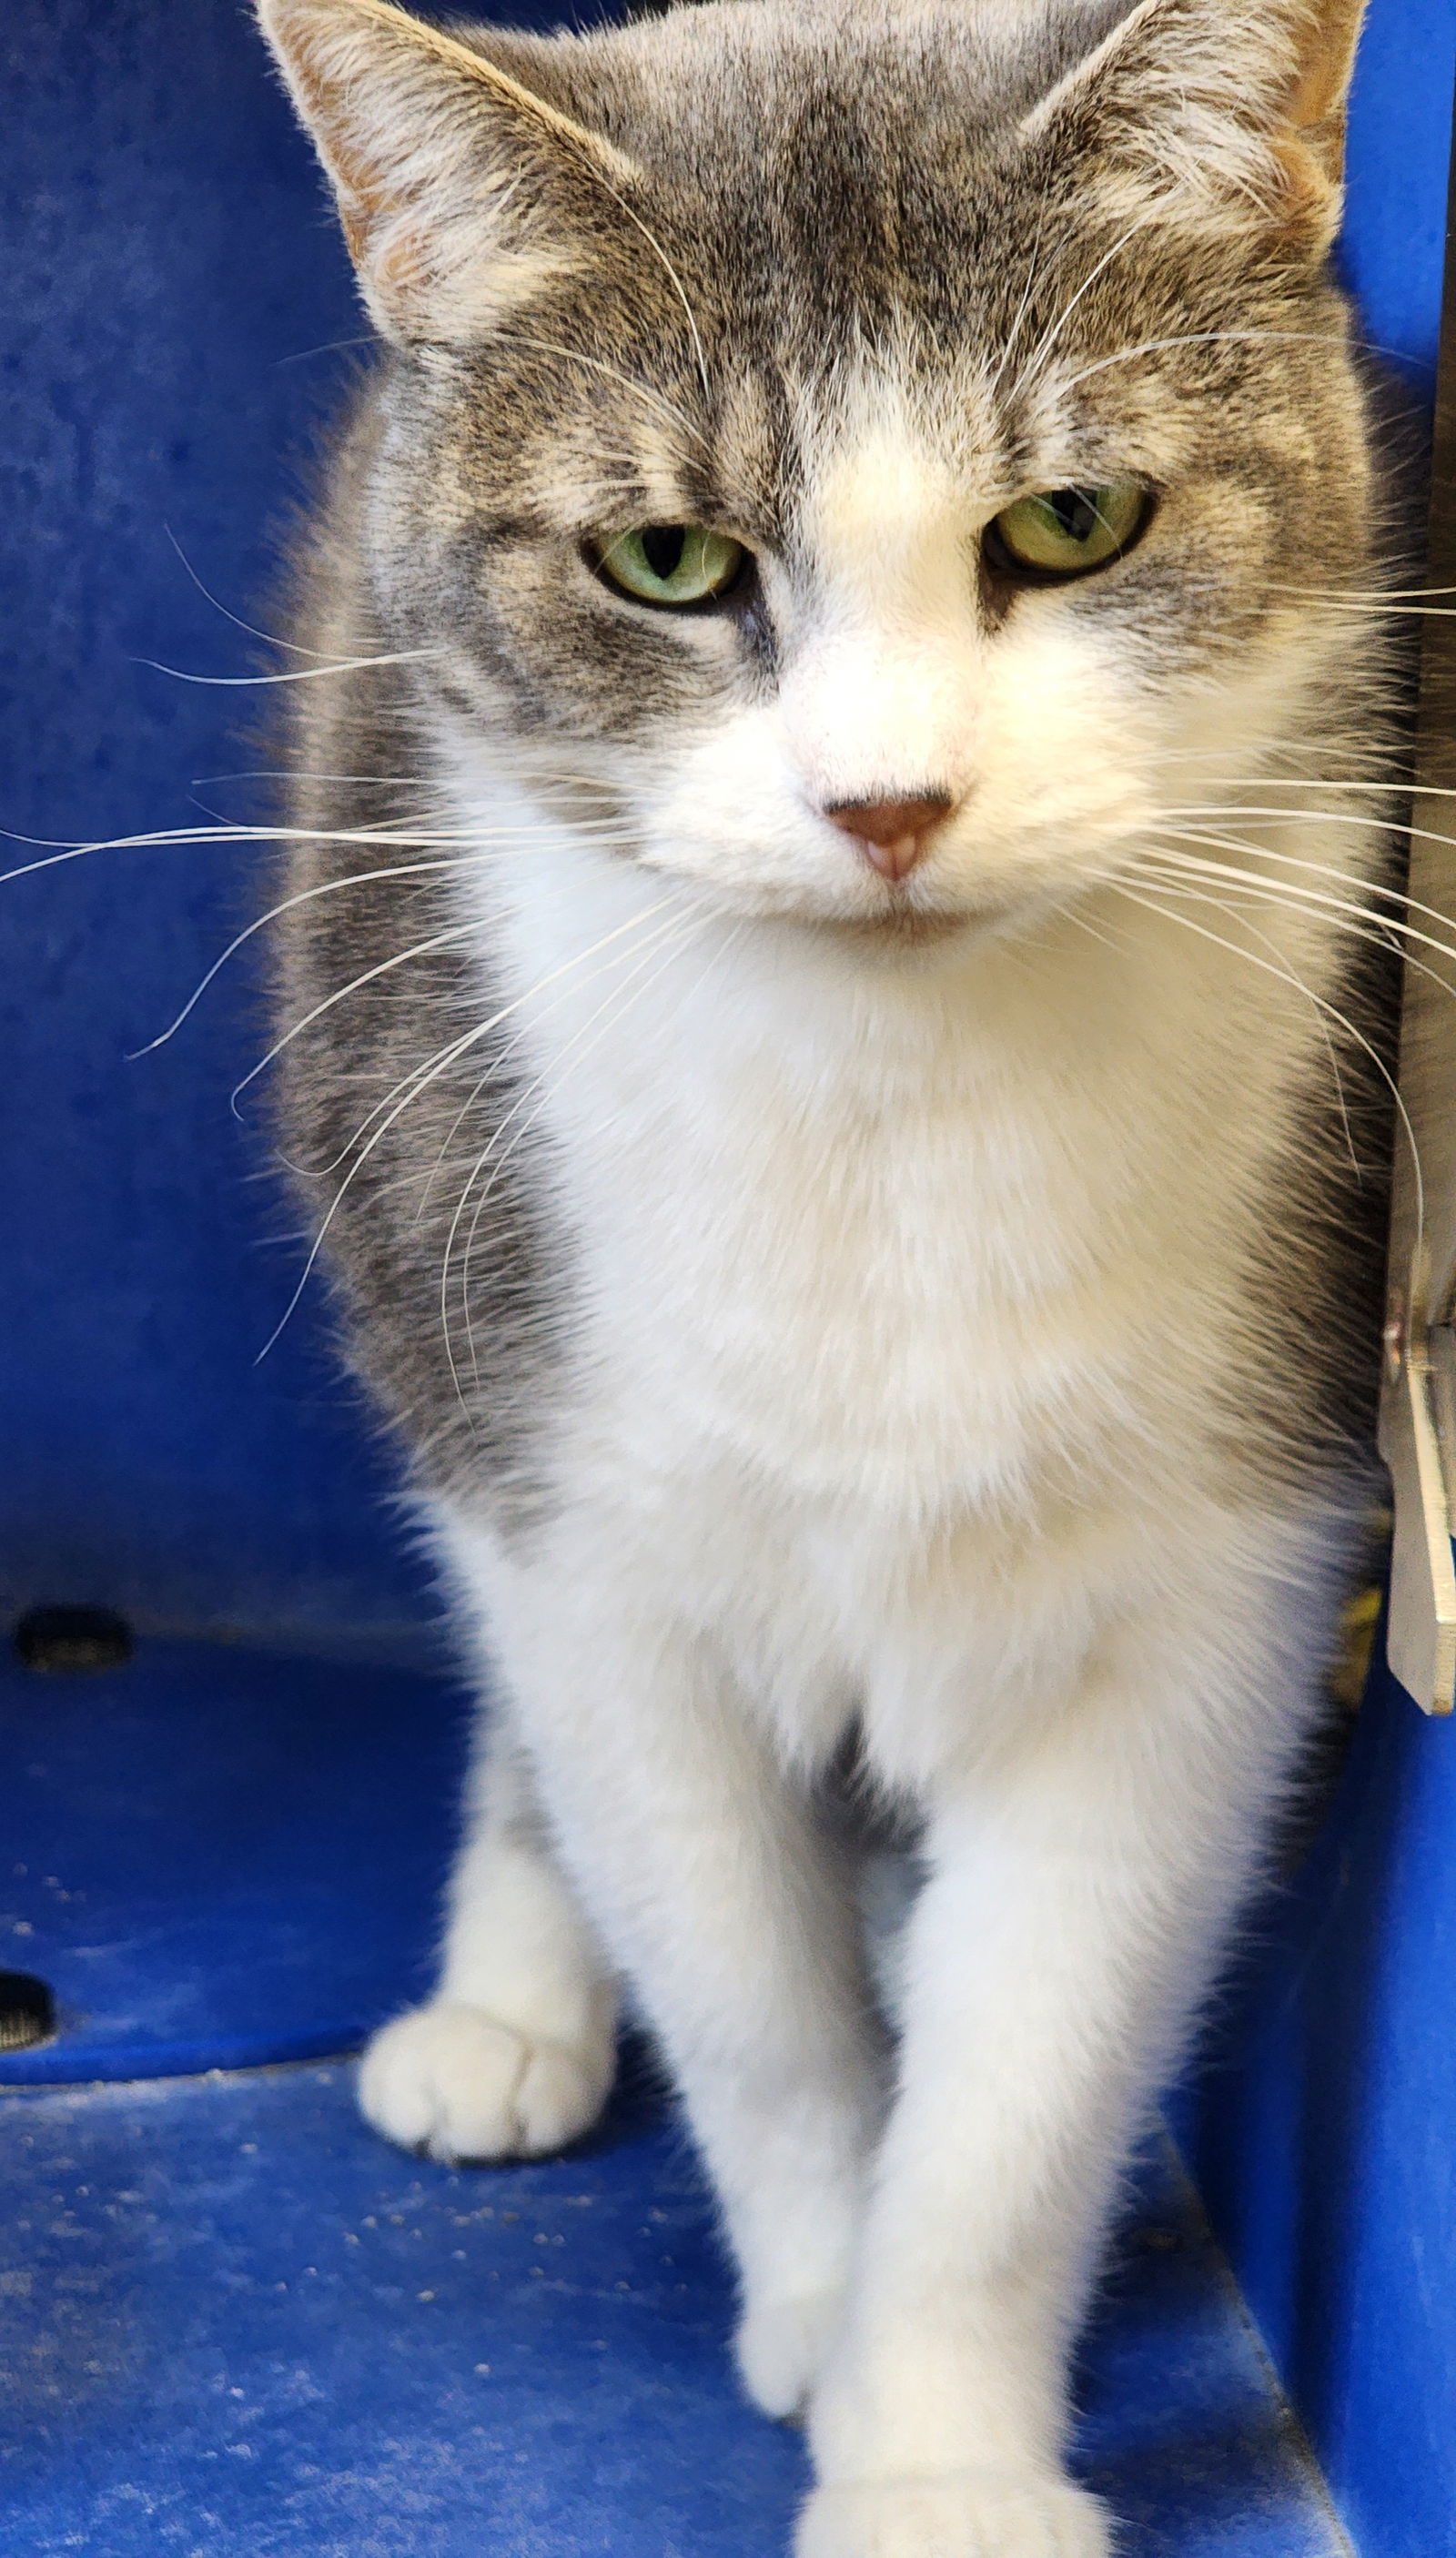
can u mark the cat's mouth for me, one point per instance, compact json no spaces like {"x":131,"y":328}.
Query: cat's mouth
{"x":924,"y":922}
{"x":910,"y":927}
{"x":913,"y":920}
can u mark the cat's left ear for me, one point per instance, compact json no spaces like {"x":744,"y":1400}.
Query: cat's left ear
{"x":1223,"y":112}
{"x":462,"y":193}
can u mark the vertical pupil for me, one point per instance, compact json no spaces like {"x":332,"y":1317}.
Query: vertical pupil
{"x":662,"y":547}
{"x":1076,"y":511}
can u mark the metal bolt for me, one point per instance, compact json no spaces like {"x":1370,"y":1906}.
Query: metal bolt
{"x":62,"y":1641}
{"x":27,"y":2011}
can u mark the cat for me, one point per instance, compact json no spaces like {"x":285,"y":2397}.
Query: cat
{"x":835,"y":803}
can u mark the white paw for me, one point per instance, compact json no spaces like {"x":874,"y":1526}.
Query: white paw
{"x":448,"y":2081}
{"x":781,"y":2346}
{"x":975,"y":2514}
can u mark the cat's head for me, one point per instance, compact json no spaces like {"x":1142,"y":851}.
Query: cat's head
{"x":875,"y":454}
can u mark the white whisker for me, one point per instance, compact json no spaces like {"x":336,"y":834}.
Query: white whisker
{"x":399,"y":958}
{"x":270,"y":639}
{"x":514,"y":1046}
{"x":1383,"y":826}
{"x":1286,"y":891}
{"x":341,"y":994}
{"x":1227,"y":907}
{"x":1036,"y":361}
{"x":1208,"y":337}
{"x":612,"y":373}
{"x":1321,"y":1001}
{"x":322,"y":887}
{"x":1014,"y":331}
{"x":1262,"y":851}
{"x":292,"y":674}
{"x":612,"y":1005}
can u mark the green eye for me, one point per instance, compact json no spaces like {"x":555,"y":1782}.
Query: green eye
{"x":676,"y":565}
{"x":1064,"y":532}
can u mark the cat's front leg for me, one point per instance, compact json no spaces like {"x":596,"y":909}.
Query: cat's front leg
{"x":1073,"y":1905}
{"x":710,"y":1883}
{"x":513,"y":2055}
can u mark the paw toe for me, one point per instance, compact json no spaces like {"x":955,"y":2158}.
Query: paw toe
{"x":452,"y":2083}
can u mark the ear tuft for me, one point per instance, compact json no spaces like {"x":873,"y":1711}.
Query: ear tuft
{"x":461,"y":193}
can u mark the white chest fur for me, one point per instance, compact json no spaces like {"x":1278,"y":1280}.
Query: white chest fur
{"x":902,"y":1276}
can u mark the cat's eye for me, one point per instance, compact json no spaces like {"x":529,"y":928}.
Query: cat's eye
{"x":676,"y":566}
{"x":1065,"y":532}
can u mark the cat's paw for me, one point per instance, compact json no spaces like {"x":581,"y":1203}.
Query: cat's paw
{"x":781,"y":2345}
{"x":450,"y":2081}
{"x":975,"y":2514}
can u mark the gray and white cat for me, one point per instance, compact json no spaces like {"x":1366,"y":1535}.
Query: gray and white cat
{"x":834,"y":817}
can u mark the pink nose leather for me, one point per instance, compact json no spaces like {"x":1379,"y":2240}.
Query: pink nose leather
{"x":893,"y":834}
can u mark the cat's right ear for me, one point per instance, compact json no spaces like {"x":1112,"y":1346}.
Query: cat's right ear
{"x":462,"y":194}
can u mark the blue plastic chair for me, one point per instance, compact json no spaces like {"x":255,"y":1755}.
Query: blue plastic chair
{"x":234,"y":2320}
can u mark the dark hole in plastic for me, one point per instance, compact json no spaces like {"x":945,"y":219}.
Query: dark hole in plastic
{"x":72,"y":1639}
{"x":27,"y":2011}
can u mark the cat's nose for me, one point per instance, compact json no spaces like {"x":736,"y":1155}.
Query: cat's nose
{"x":893,"y":834}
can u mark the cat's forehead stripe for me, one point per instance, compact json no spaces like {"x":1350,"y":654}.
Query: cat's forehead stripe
{"x":879,"y":520}
{"x":902,"y":483}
